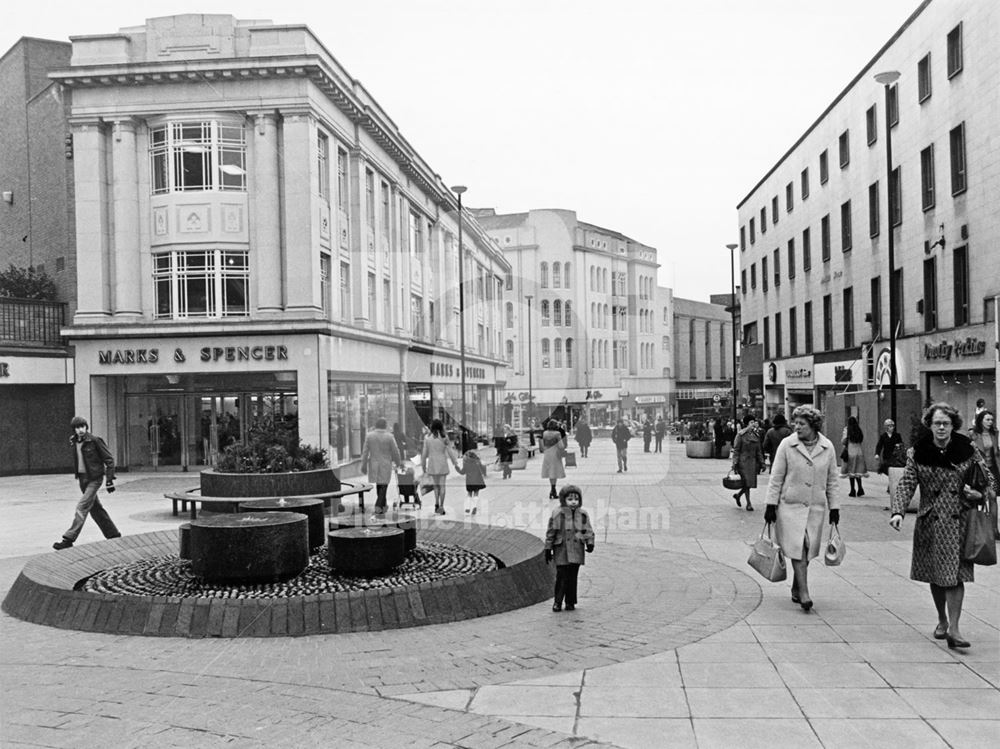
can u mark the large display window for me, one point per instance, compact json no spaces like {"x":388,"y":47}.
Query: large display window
{"x":353,"y":409}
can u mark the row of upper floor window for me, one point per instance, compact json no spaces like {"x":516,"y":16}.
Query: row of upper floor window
{"x":928,"y":200}
{"x":599,"y":281}
{"x":560,"y":275}
{"x":954,"y":66}
{"x":927,"y":307}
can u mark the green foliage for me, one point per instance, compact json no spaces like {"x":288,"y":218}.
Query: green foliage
{"x":27,"y":283}
{"x":698,"y":432}
{"x":272,"y":446}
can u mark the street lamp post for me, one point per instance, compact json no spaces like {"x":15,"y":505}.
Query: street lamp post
{"x":732,"y":310}
{"x":887,"y":79}
{"x":459,"y":190}
{"x":531,"y":401}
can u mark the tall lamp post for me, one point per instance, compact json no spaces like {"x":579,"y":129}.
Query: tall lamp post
{"x":531,"y":400}
{"x":459,"y":190}
{"x":887,"y":79}
{"x":732,"y":310}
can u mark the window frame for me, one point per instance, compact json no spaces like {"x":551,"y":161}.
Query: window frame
{"x":930,"y":295}
{"x":848,"y":311}
{"x":956,"y":53}
{"x":960,"y":282}
{"x":959,"y":164}
{"x":927,"y":181}
{"x":846,"y":229}
{"x":789,"y":197}
{"x":924,"y":87}
{"x":874,"y":219}
{"x":871,"y":124}
{"x":806,"y":250}
{"x":844,"y":148}
{"x":219,"y":271}
{"x":209,"y":148}
{"x":804,"y":186}
{"x":824,"y":166}
{"x":824,"y":238}
{"x":791,"y":257}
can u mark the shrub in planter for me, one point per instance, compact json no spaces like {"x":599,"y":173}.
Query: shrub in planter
{"x":271,"y":447}
{"x":699,"y":443}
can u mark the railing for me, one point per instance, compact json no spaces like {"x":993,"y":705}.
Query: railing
{"x":31,"y":322}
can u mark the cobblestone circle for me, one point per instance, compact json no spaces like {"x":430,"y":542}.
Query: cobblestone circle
{"x":172,"y":576}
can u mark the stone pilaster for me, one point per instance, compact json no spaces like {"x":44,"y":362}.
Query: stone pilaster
{"x":265,"y":207}
{"x":125,"y":208}
{"x":92,"y":239}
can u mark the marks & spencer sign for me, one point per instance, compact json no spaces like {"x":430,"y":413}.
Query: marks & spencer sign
{"x":209,"y":354}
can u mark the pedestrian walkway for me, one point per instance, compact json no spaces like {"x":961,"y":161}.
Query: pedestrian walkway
{"x":676,"y":642}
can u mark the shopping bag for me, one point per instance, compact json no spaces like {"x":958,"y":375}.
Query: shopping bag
{"x":426,"y":485}
{"x":570,"y":459}
{"x":836,"y":549}
{"x":733,"y":480}
{"x":979,"y":545}
{"x":767,"y":557}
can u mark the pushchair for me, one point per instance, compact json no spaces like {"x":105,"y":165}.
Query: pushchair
{"x":407,"y":484}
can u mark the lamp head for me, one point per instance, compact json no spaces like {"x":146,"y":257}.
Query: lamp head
{"x":888,"y":77}
{"x":459,"y":189}
{"x":731,"y":247}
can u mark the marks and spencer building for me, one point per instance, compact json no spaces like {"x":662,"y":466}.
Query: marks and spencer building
{"x":254,"y":236}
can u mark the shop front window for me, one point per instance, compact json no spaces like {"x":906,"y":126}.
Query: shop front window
{"x":353,"y":409}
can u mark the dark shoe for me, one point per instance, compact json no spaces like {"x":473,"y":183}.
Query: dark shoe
{"x":852,"y":493}
{"x":439,"y":511}
{"x":556,"y":607}
{"x":117,"y":535}
{"x":737,"y":497}
{"x":626,"y":469}
{"x":619,"y":470}
{"x":861,"y":492}
{"x":806,"y":605}
{"x":795,"y":596}
{"x":570,"y":607}
{"x":474,"y":510}
{"x":60,"y":545}
{"x":941,"y":631}
{"x":954,"y":643}
{"x":749,"y":507}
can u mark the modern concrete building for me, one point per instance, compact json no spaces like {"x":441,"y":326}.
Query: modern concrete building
{"x":581,"y":325}
{"x":703,"y":361}
{"x":814,"y":231}
{"x":36,"y":231}
{"x":254,"y":236}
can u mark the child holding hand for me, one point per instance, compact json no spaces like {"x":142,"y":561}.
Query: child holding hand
{"x":475,"y":479}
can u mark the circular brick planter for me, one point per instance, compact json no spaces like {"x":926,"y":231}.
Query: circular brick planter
{"x":44,"y":592}
{"x":291,"y":484}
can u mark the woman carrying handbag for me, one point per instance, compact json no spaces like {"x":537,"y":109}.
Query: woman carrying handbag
{"x":802,"y":489}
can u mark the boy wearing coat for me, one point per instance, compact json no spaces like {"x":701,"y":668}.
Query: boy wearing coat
{"x":569,"y":537}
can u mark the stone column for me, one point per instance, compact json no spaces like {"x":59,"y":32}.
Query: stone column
{"x":298,"y":177}
{"x":92,"y":240}
{"x":125,"y":206}
{"x":265,"y":211}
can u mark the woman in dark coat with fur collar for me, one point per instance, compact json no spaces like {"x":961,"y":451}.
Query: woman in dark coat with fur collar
{"x":938,"y":466}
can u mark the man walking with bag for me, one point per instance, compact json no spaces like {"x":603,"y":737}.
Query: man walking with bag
{"x":93,"y":463}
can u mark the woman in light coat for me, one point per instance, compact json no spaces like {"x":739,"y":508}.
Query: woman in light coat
{"x":803,"y":487}
{"x":437,"y":452}
{"x":379,"y":456}
{"x":553,"y":449}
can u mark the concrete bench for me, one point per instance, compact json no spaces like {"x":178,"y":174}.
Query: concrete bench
{"x":231,"y":504}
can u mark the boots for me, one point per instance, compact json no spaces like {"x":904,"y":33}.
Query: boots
{"x":861,"y":489}
{"x":852,"y":493}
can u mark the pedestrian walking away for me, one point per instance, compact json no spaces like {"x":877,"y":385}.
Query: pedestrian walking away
{"x":803,"y":487}
{"x":938,"y":466}
{"x":475,"y":479}
{"x":660,"y":430}
{"x":647,"y":435}
{"x":505,"y":442}
{"x":718,"y":437}
{"x":620,"y":435}
{"x":854,"y":466}
{"x":568,"y":539}
{"x":379,"y":458}
{"x":93,"y":464}
{"x":553,"y":450}
{"x":984,"y":439}
{"x":583,"y":436}
{"x":778,"y":431}
{"x":435,"y":456}
{"x":748,"y":457}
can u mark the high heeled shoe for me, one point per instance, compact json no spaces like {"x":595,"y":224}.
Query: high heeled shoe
{"x":737,"y":498}
{"x":941,"y":631}
{"x":954,"y":643}
{"x":806,"y":605}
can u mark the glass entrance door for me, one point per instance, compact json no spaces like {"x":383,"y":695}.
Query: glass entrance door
{"x":155,"y":432}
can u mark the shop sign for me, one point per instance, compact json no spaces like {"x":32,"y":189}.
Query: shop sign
{"x":647,"y":399}
{"x":842,"y":373}
{"x":799,"y":377}
{"x":205,"y":354}
{"x":4,"y":369}
{"x":944,"y":350}
{"x":447,"y":369}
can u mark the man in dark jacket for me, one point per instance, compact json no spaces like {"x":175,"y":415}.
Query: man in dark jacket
{"x":620,"y":435}
{"x":93,"y":464}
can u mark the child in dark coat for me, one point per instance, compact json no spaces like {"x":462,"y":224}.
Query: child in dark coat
{"x":568,"y":538}
{"x":406,"y":482}
{"x":475,"y":479}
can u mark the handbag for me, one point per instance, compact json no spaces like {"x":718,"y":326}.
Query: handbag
{"x":733,"y":480}
{"x":426,"y":484}
{"x":979,"y":545}
{"x":767,"y":557}
{"x":570,"y":459}
{"x":975,"y":477}
{"x":836,"y":549}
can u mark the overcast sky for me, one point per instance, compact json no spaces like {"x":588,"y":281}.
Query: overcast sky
{"x":653,"y":118}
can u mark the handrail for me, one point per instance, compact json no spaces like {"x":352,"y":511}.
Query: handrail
{"x":32,"y":321}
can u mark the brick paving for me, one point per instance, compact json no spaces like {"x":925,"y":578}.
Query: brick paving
{"x":674,"y":642}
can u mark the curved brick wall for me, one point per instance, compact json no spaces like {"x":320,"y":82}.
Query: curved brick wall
{"x":43,"y":593}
